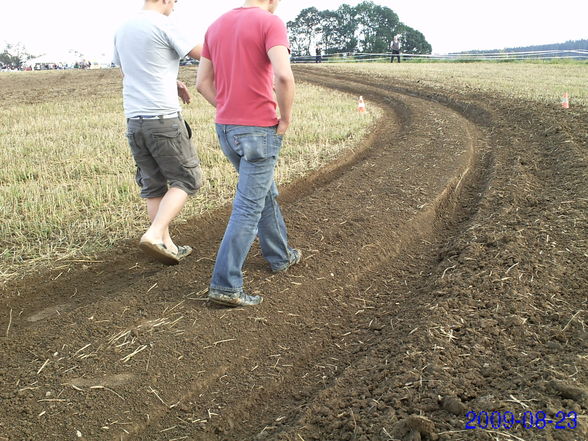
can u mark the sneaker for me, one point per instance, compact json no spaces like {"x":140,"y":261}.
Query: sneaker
{"x":233,"y":298}
{"x":183,"y":251}
{"x":296,"y":256}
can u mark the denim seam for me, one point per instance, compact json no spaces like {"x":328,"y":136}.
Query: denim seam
{"x":237,"y":290}
{"x":284,"y":242}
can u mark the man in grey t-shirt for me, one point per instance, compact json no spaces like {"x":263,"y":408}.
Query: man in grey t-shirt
{"x":148,"y":49}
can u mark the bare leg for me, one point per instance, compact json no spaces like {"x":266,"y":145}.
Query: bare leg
{"x":152,"y":209}
{"x":161,"y":212}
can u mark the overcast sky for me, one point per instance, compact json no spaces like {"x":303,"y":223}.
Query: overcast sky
{"x":57,"y":27}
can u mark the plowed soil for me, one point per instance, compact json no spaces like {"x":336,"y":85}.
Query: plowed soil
{"x":445,"y":271}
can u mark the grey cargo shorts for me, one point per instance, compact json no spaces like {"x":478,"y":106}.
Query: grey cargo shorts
{"x":164,"y":156}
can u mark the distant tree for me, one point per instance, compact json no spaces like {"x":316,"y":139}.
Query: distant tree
{"x":304,"y":29}
{"x":332,"y":38}
{"x":366,"y":27}
{"x":339,"y":30}
{"x":14,"y":55}
{"x":376,"y":27}
{"x":414,"y":42}
{"x":568,"y":45}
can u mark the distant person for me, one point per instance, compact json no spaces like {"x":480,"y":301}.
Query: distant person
{"x":395,"y":46}
{"x":148,"y":48}
{"x":244,"y":51}
{"x":319,"y":54}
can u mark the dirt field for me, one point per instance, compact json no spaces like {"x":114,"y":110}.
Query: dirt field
{"x":444,"y":272}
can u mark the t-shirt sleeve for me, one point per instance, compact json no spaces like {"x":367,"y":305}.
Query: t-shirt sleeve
{"x":277,"y":34}
{"x":205,"y":48}
{"x":181,"y":44}
{"x":115,"y":56}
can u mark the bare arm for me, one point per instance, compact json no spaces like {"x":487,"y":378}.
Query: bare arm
{"x":183,"y":91}
{"x":205,"y":81}
{"x":196,"y":52}
{"x":284,"y":85}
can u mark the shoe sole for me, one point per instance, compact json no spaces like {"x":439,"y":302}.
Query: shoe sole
{"x":233,"y":303}
{"x":159,"y":253}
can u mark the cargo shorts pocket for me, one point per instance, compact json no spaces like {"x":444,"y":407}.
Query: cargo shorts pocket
{"x":193,"y":174}
{"x":135,"y":148}
{"x":167,"y":143}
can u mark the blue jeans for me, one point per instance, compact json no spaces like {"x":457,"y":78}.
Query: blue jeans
{"x":253,"y":151}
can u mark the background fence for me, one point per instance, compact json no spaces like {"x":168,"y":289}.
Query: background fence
{"x":577,"y":54}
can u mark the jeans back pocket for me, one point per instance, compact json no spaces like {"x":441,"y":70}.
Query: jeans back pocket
{"x":253,"y":146}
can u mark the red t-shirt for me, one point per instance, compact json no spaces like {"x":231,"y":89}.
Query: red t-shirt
{"x":237,"y":44}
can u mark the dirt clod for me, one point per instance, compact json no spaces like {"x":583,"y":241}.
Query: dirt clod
{"x":414,"y":428}
{"x":453,"y":405}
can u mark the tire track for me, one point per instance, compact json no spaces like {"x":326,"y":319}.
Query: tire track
{"x":204,"y":371}
{"x":278,"y":403}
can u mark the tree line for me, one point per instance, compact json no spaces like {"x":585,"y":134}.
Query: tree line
{"x":367,"y":28}
{"x":14,"y":56}
{"x":566,"y":46}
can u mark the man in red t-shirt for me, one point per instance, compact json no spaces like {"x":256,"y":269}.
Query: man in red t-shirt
{"x":245,"y":53}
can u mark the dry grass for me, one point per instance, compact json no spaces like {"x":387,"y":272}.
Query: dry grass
{"x":67,"y":182}
{"x":540,"y":82}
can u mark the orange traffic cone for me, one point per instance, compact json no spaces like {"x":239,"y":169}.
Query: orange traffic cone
{"x":565,"y":101}
{"x":361,"y":105}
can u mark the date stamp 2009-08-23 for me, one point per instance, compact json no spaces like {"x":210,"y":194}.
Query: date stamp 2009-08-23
{"x":528,"y":420}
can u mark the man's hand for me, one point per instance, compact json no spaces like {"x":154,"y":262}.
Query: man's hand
{"x":183,"y":93}
{"x":282,"y":127}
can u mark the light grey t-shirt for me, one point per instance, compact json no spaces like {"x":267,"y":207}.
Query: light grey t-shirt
{"x":148,"y":48}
